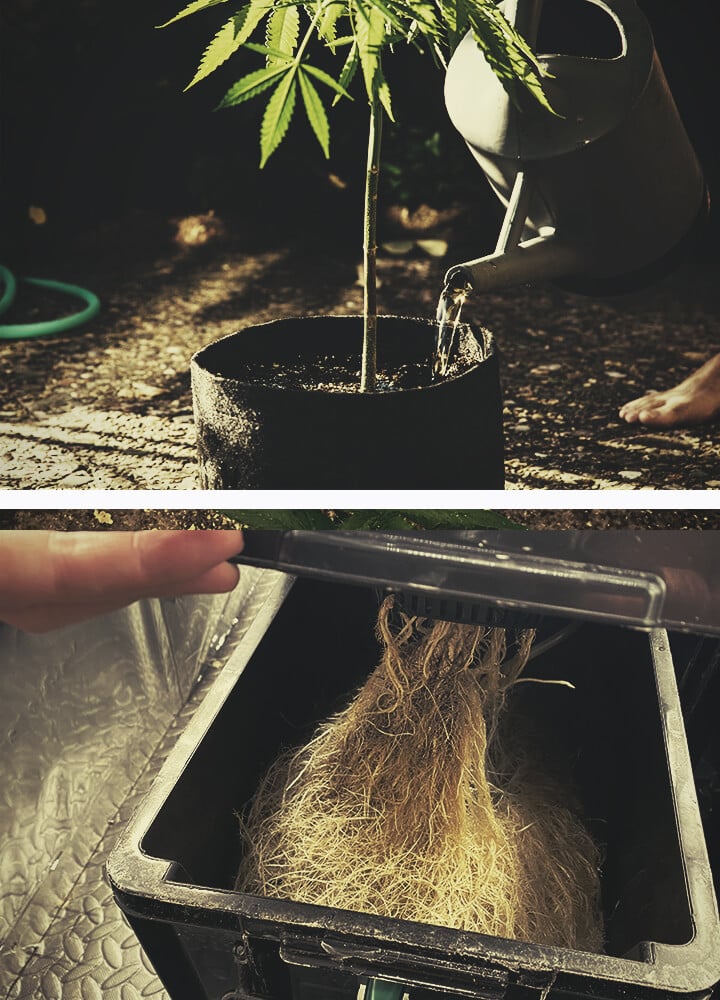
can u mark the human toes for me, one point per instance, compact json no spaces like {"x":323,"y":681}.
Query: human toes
{"x":630,"y":412}
{"x":665,"y":412}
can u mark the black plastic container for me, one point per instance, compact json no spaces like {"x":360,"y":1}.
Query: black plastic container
{"x":445,"y":435}
{"x":312,"y":644}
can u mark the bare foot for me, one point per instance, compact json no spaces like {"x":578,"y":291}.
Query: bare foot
{"x":694,"y":401}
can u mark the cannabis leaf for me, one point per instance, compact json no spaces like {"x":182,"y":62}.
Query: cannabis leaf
{"x":374,"y":26}
{"x":349,"y":69}
{"x":316,"y":113}
{"x":277,"y":115}
{"x":327,"y":22}
{"x":370,"y":34}
{"x":230,"y":37}
{"x":251,"y":85}
{"x":191,"y":8}
{"x":282,"y":32}
{"x":383,"y":92}
{"x":505,"y":49}
{"x":327,"y":79}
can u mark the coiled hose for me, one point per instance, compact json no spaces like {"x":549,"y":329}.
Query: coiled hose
{"x":10,"y":331}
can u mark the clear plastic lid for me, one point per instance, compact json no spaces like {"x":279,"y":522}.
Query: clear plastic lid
{"x":644,"y":579}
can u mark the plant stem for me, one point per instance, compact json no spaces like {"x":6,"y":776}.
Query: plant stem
{"x":368,"y":375}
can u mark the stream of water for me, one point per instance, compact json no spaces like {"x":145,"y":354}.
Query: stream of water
{"x":449,"y":309}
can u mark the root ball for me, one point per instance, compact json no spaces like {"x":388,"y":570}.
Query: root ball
{"x":407,"y":804}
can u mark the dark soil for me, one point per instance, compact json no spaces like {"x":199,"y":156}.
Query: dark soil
{"x":115,"y":520}
{"x":332,"y":374}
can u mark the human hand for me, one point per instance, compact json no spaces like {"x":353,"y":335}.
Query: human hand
{"x":54,"y":578}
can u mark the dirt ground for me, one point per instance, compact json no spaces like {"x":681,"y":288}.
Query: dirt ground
{"x":137,"y":520}
{"x":109,"y":406}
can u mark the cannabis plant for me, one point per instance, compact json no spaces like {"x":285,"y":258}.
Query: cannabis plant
{"x":287,"y":36}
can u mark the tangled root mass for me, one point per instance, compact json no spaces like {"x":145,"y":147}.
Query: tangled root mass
{"x":408,"y":804}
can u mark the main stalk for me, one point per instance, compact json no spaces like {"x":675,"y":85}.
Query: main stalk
{"x":368,"y":374}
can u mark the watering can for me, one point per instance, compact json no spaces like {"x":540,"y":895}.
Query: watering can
{"x":602,"y":193}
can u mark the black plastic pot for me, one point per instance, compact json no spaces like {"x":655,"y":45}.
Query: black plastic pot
{"x":446,"y":435}
{"x":173,"y":869}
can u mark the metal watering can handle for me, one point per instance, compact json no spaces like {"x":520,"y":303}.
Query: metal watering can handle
{"x":525,"y":15}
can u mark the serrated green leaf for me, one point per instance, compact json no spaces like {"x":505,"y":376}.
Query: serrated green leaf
{"x":192,"y":8}
{"x":316,"y":113}
{"x":288,"y":520}
{"x":395,"y":12}
{"x":413,"y":31}
{"x":230,"y":37}
{"x":264,"y":50}
{"x":283,"y":27}
{"x":345,"y":40}
{"x":506,"y":51}
{"x":327,"y":23}
{"x":328,"y":80}
{"x":349,"y":70}
{"x":370,"y":33}
{"x":218,"y":51}
{"x":454,"y":15}
{"x":383,"y":92}
{"x":278,"y":113}
{"x":251,"y":85}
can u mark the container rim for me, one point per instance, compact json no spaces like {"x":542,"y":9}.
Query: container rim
{"x":139,"y":881}
{"x":485,"y":340}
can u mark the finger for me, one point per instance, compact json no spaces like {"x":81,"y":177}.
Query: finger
{"x":218,"y":580}
{"x":41,"y":567}
{"x":40,"y":618}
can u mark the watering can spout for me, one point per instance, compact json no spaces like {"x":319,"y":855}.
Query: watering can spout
{"x":516,"y":261}
{"x":539,"y":259}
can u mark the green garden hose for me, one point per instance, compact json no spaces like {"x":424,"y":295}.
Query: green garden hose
{"x":381,"y":989}
{"x":23,"y":330}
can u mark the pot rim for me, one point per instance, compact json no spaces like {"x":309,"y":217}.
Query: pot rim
{"x":486,"y":343}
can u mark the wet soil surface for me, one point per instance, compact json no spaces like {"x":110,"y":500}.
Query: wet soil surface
{"x":109,"y":406}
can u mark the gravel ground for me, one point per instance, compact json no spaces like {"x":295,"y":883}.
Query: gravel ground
{"x":109,"y":406}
